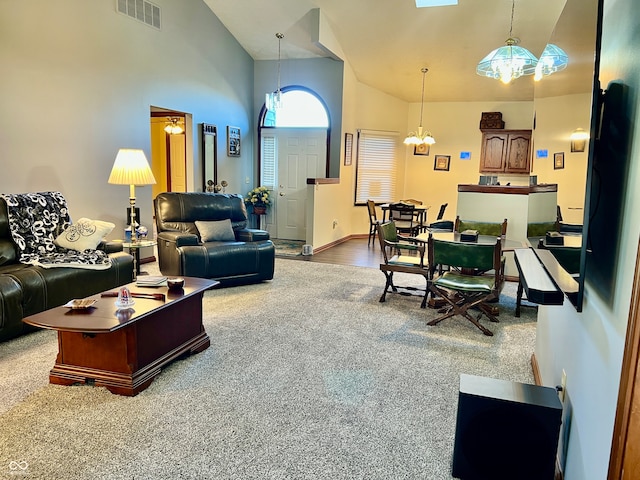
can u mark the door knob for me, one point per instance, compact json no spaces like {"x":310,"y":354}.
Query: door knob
{"x":282,"y":194}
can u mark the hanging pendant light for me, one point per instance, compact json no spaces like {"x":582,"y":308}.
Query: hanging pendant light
{"x":273,"y":100}
{"x":420,"y":138}
{"x":552,"y":60}
{"x":508,"y":62}
{"x":173,"y":127}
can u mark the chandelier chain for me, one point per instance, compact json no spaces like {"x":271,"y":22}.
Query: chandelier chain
{"x":424,"y":74}
{"x":513,"y":6}
{"x":279,"y":36}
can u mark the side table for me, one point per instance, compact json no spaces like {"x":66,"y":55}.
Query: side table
{"x":134,"y":249}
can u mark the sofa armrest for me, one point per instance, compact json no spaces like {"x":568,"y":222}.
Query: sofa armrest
{"x":180,"y":239}
{"x":110,"y":246}
{"x":251,"y":235}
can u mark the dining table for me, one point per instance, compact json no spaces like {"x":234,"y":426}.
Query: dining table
{"x":446,"y":236}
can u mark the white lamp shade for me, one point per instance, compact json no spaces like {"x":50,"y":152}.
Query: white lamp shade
{"x":131,"y":168}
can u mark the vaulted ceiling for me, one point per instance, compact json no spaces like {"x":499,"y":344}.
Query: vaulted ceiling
{"x":387,"y":42}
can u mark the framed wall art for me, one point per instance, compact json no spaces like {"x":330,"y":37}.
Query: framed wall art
{"x":442,"y":162}
{"x":558,"y":161}
{"x":422,"y":149}
{"x":348,"y":148}
{"x":233,"y":141}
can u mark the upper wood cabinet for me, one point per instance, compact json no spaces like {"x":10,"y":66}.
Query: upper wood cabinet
{"x":506,"y":151}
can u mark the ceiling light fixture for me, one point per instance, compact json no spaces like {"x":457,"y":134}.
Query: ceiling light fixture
{"x":173,"y":127}
{"x":418,"y":138}
{"x":273,"y":100}
{"x":508,"y":62}
{"x":552,"y":60}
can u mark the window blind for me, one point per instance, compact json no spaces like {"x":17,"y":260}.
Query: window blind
{"x":376,"y":166}
{"x":268,"y":174}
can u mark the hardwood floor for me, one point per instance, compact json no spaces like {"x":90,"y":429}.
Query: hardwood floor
{"x":352,"y":252}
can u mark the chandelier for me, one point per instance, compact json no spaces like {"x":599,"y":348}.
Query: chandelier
{"x":509,"y":61}
{"x":553,"y":59}
{"x":173,"y":126}
{"x":420,"y":138}
{"x":273,"y":100}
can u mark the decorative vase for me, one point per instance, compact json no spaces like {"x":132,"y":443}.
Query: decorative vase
{"x":259,"y":210}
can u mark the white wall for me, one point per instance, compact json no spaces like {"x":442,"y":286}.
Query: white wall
{"x":77,"y":83}
{"x":589,"y":346}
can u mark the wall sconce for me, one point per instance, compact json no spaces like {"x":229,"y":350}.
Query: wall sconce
{"x":579,"y":140}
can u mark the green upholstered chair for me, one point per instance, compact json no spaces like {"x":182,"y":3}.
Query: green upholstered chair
{"x":401,"y":256}
{"x":440,"y":224}
{"x":483,"y":228}
{"x":541,"y":229}
{"x":462,"y":289}
{"x":567,"y":257}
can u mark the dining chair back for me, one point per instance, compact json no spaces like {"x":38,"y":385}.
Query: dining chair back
{"x":404,"y":216}
{"x":470,"y":289}
{"x":540,"y":229}
{"x":443,"y":207}
{"x":373,"y":220}
{"x":483,"y":228}
{"x":403,"y":257}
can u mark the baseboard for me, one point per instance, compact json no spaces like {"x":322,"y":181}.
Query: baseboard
{"x":337,"y":242}
{"x":535,"y":367}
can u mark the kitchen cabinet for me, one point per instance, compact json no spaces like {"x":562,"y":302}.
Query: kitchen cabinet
{"x":506,"y":151}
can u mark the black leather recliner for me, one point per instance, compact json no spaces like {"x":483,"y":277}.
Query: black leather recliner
{"x":249,"y":258}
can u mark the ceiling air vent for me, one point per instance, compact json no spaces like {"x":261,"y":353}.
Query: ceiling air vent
{"x":141,"y":10}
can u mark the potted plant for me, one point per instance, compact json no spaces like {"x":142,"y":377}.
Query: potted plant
{"x":259,"y":199}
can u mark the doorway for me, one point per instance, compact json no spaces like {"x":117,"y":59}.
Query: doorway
{"x":293,"y":148}
{"x":168,"y":150}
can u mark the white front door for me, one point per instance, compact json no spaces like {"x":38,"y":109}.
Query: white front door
{"x":300,"y":153}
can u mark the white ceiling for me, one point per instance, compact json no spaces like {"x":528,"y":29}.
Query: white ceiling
{"x":387,"y":42}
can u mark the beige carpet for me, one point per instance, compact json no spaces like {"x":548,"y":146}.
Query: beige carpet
{"x":307,"y":377}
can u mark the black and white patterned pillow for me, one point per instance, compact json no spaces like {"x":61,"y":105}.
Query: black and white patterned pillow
{"x":36,"y":219}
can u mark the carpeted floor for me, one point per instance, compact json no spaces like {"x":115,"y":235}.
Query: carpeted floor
{"x":307,"y":377}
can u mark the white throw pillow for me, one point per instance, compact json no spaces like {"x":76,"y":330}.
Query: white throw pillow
{"x":216,"y":231}
{"x":85,"y":234}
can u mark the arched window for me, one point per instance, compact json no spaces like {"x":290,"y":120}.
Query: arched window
{"x":300,"y":108}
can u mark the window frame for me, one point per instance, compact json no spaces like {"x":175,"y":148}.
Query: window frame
{"x":368,"y":151}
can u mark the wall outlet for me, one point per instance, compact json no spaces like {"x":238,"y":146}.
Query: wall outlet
{"x":563,"y":385}
{"x":246,"y":180}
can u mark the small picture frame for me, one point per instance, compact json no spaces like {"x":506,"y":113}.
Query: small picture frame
{"x":558,"y":160}
{"x":348,"y":149}
{"x":233,"y":141}
{"x":442,"y":162}
{"x":422,"y":149}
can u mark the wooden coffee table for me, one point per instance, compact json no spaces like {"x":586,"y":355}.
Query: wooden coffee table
{"x":124,"y":350}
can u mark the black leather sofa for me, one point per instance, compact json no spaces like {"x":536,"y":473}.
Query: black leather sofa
{"x":248,"y":256}
{"x":28,"y":289}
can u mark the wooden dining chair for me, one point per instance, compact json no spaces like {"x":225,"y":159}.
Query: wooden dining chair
{"x":462,"y":291}
{"x":400,"y":255}
{"x":373,"y":220}
{"x":404,"y":217}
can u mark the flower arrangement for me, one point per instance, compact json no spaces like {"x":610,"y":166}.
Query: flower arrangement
{"x":258,"y":197}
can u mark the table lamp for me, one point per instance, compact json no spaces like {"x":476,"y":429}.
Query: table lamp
{"x":131,"y":168}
